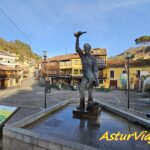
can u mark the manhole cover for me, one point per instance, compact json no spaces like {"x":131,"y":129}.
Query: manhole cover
{"x":54,"y":122}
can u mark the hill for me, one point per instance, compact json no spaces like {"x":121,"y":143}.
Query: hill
{"x":138,"y":52}
{"x":22,"y":49}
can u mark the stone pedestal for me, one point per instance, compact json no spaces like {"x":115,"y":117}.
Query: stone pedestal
{"x":92,"y":111}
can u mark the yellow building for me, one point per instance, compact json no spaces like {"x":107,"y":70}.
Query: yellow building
{"x":70,"y":67}
{"x":115,"y":69}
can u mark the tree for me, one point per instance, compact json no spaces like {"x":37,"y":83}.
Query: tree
{"x":145,"y":40}
{"x":20,"y":48}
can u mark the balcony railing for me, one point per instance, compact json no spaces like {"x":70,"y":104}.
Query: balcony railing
{"x":3,"y":76}
{"x":101,"y":65}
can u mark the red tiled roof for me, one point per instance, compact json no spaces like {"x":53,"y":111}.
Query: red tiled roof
{"x":115,"y":63}
{"x":133,"y":63}
{"x":63,"y":57}
{"x":75,"y":55}
{"x":6,"y":68}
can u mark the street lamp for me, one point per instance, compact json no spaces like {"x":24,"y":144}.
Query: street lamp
{"x":128,"y":57}
{"x":45,"y":55}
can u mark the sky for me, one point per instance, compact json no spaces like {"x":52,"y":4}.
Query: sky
{"x":50,"y":24}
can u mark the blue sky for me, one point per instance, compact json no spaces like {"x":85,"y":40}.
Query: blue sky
{"x":50,"y":24}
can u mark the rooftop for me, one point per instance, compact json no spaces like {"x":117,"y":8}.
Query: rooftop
{"x":8,"y":68}
{"x":133,"y":63}
{"x":95,"y":51}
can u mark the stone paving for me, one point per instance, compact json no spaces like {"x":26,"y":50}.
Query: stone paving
{"x":30,"y":98}
{"x":139,"y":103}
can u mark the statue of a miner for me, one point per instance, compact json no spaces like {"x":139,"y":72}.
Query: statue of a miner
{"x":90,"y":71}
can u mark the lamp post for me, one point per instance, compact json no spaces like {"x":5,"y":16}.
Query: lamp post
{"x":128,"y":57}
{"x":45,"y":55}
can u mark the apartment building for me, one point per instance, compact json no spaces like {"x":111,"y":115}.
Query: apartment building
{"x":115,"y":68}
{"x":8,"y":59}
{"x":10,"y":76}
{"x":68,"y":68}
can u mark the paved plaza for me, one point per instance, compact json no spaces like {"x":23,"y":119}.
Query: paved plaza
{"x":30,"y":98}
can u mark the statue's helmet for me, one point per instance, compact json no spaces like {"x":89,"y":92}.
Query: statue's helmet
{"x":87,"y":47}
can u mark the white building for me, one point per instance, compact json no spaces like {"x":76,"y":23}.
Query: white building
{"x":8,"y":59}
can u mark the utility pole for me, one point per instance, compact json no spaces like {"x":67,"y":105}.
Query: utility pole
{"x":128,"y":83}
{"x":128,"y":56}
{"x":45,"y":55}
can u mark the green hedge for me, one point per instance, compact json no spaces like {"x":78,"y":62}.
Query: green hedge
{"x":102,"y":89}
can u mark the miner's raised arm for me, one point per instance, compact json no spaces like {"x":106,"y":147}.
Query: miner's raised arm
{"x":78,"y":49}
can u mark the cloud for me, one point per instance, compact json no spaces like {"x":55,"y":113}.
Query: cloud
{"x":48,"y":21}
{"x":129,"y":3}
{"x":50,"y":14}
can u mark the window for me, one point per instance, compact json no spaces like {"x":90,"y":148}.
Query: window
{"x":61,"y":63}
{"x":100,"y":81}
{"x":96,"y":51}
{"x":112,"y":73}
{"x":81,"y":72}
{"x":76,"y":62}
{"x":138,"y":73}
{"x":53,"y":63}
{"x":101,"y":61}
{"x":101,"y":73}
{"x":75,"y":71}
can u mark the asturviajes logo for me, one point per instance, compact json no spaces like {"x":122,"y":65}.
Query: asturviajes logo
{"x":142,"y":136}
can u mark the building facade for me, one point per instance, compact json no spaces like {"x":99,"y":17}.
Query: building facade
{"x":8,"y":59}
{"x":11,"y":72}
{"x":67,"y":69}
{"x":115,"y":69}
{"x":10,"y":77}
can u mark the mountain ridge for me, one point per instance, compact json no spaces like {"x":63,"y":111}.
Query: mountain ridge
{"x":19,"y":48}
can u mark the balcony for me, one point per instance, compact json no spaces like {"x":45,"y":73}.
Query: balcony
{"x":101,"y":65}
{"x":65,"y":65}
{"x":3,"y":76}
{"x":52,"y":72}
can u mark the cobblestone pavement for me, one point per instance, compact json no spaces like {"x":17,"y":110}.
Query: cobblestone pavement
{"x":30,"y":98}
{"x":139,"y":103}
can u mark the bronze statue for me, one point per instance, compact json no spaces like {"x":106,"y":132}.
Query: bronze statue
{"x":90,"y":71}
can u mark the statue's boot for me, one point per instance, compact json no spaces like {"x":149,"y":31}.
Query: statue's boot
{"x":90,"y":100}
{"x":81,"y":106}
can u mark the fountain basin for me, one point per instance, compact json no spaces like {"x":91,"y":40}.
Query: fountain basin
{"x":55,"y":128}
